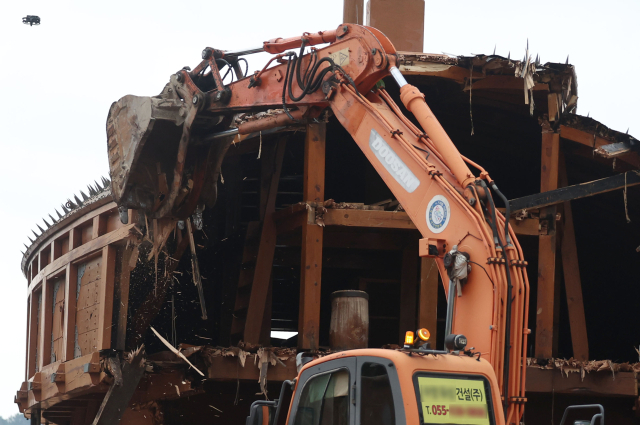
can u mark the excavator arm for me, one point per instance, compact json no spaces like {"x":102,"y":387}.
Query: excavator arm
{"x":165,"y":153}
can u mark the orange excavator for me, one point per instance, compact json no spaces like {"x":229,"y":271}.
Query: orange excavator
{"x":165,"y":154}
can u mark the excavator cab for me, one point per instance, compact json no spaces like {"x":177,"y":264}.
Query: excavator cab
{"x":388,"y":387}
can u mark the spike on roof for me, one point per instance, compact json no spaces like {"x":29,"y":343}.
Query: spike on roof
{"x":84,"y":196}
{"x":41,"y":229}
{"x":33,"y":231}
{"x":59,"y":215}
{"x":53,"y":219}
{"x":45,"y":222}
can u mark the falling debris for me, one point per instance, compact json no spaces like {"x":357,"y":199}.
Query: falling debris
{"x":175,"y":351}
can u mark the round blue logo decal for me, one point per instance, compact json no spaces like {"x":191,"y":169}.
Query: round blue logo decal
{"x":438,"y":214}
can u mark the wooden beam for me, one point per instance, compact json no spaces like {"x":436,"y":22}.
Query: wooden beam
{"x":312,"y":239}
{"x":596,"y":142}
{"x":578,"y":191}
{"x":572,"y":282}
{"x":105,"y":297}
{"x":46,"y":315}
{"x":428,"y":298}
{"x":127,"y":259}
{"x":293,"y":217}
{"x":99,"y":227}
{"x":408,"y":290}
{"x":33,"y":332}
{"x":264,"y":260}
{"x":547,"y":250}
{"x":368,"y":218}
{"x":553,"y":381}
{"x":353,"y":12}
{"x":70,"y":289}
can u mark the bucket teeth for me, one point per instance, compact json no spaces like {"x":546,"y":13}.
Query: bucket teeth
{"x":41,"y":229}
{"x":84,"y":196}
{"x":45,"y":222}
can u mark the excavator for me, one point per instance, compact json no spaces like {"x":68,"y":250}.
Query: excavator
{"x":165,"y":154}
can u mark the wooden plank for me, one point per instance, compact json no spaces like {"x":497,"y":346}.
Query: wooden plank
{"x":408,"y":290}
{"x":368,"y":218}
{"x":75,"y":238}
{"x":89,"y":295}
{"x":129,"y":256}
{"x":44,"y":348}
{"x":526,"y":227}
{"x":314,"y":158}
{"x":33,"y":334}
{"x":572,"y":281}
{"x":106,"y":297}
{"x":550,"y":150}
{"x":554,"y":103}
{"x":312,"y":240}
{"x":85,"y":250}
{"x":56,"y":250}
{"x":57,"y":323}
{"x":553,"y":381}
{"x":264,"y":260}
{"x":578,"y":191}
{"x":99,"y":227}
{"x":428,"y":298}
{"x":71,"y":279}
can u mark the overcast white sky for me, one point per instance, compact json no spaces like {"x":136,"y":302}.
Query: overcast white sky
{"x":61,"y":77}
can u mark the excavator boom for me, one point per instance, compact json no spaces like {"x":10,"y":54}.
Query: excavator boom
{"x":165,"y":154}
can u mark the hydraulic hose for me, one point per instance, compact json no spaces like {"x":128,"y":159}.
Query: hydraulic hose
{"x":509,"y":295}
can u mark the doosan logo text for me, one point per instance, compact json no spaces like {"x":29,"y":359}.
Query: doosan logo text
{"x":394,"y":165}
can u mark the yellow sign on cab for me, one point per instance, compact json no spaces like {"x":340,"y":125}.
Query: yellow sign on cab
{"x":453,"y":401}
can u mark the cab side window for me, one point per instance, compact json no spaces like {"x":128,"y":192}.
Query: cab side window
{"x":325,"y":400}
{"x":376,"y":401}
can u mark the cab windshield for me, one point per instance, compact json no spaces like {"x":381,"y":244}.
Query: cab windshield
{"x":453,"y":399}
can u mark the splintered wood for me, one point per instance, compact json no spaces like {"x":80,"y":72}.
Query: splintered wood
{"x":175,"y":351}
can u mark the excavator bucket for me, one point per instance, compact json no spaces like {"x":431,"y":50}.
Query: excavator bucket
{"x":142,"y":138}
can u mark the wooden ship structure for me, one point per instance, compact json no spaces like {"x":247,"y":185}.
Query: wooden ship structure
{"x":301,"y":214}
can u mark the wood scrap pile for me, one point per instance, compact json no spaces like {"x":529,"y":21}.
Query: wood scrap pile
{"x":572,"y":365}
{"x":244,"y":117}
